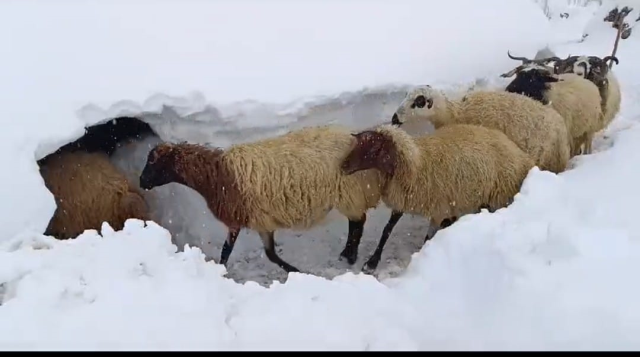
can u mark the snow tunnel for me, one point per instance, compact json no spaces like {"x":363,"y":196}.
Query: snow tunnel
{"x":127,"y":141}
{"x":105,"y":137}
{"x":184,"y":213}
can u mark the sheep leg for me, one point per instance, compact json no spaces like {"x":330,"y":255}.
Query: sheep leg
{"x":228,"y":246}
{"x":356,"y":228}
{"x":587,"y":144}
{"x":433,"y":228}
{"x":269,"y":249}
{"x":371,"y":264}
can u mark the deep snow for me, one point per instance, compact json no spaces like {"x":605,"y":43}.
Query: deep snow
{"x":552,"y":271}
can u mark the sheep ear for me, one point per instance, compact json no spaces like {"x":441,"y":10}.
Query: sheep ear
{"x":354,"y":135}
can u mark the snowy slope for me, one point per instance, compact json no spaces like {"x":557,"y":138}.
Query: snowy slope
{"x":553,"y":271}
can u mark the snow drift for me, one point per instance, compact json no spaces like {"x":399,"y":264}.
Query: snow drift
{"x":553,"y":271}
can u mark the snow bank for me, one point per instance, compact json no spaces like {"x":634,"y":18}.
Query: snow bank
{"x":71,"y":63}
{"x":554,"y":271}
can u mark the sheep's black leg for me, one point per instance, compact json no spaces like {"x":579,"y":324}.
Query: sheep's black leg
{"x":371,"y":264}
{"x":444,"y":224}
{"x":228,"y":245}
{"x":356,"y":228}
{"x":269,"y":249}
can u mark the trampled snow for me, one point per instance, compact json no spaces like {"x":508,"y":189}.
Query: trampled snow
{"x":555,"y":270}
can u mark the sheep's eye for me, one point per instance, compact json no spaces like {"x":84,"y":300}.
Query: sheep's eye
{"x":419,"y":102}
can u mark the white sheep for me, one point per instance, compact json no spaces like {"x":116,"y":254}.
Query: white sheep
{"x":457,"y":170}
{"x":537,"y":129}
{"x":596,"y":70}
{"x":576,"y":99}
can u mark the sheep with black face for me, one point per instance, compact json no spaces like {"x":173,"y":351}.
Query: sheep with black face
{"x":576,"y":99}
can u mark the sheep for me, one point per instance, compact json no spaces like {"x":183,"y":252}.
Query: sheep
{"x":596,"y":70}
{"x":456,"y":170}
{"x":537,"y":129}
{"x":291,"y":181}
{"x":89,"y":190}
{"x":576,"y":99}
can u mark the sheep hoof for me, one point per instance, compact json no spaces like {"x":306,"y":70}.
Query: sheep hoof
{"x":370,"y":267}
{"x":350,"y":255}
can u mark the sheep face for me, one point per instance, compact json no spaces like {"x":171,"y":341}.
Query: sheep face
{"x":533,"y":82}
{"x":579,"y":65}
{"x":418,"y":103}
{"x":593,"y":68}
{"x":372,"y":150}
{"x":160,"y":168}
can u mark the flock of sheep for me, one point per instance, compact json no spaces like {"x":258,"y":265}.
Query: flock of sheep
{"x":483,"y":147}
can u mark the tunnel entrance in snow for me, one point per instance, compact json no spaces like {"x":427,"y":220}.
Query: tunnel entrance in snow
{"x":184,"y":213}
{"x":108,"y":136}
{"x":89,"y":189}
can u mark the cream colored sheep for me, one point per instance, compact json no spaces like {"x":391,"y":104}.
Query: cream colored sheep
{"x":537,"y":129}
{"x":576,"y":99}
{"x":290,"y":181}
{"x":455,"y":171}
{"x":89,"y":190}
{"x":596,"y":70}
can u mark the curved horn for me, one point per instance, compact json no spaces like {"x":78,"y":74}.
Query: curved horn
{"x":523,"y":59}
{"x":547,"y":60}
{"x":611,"y":58}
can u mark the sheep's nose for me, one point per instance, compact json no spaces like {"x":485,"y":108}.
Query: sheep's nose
{"x":395,"y":120}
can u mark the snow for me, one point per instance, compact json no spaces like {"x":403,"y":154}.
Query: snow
{"x":86,"y":61}
{"x":552,"y":271}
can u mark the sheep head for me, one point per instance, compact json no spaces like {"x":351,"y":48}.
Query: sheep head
{"x":420,"y":102}
{"x":160,"y":168}
{"x":371,"y":150}
{"x":533,"y":82}
{"x":593,"y":68}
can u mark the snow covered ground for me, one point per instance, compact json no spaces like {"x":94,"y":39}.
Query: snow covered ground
{"x":552,"y":271}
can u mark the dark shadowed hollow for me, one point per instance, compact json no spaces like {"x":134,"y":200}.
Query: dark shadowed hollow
{"x":108,"y":136}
